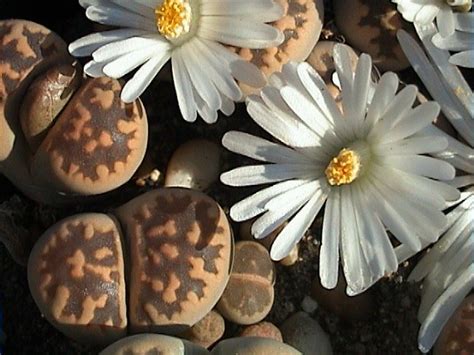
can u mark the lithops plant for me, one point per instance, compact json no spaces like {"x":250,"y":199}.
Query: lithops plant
{"x":71,"y":136}
{"x":371,"y":26}
{"x":180,"y":249}
{"x":249,"y":295}
{"x":76,"y":276}
{"x":153,"y":344}
{"x":176,"y":245}
{"x":301,"y":26}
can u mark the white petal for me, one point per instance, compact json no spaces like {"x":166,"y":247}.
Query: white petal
{"x":345,"y":74}
{"x":239,"y":32}
{"x":456,"y":97}
{"x":316,"y":88}
{"x":329,"y":253}
{"x":126,"y":63}
{"x":462,"y":181}
{"x":86,"y":45}
{"x":457,"y":42}
{"x":183,"y":86}
{"x":411,"y":123}
{"x":375,"y":242}
{"x":218,"y":71}
{"x":94,"y":69}
{"x":390,"y":217}
{"x":421,"y":165}
{"x":463,"y":59}
{"x":425,"y":265}
{"x":261,"y":149}
{"x":285,"y":128}
{"x":311,"y":116}
{"x":445,"y":21}
{"x":136,"y":7}
{"x":247,"y":73}
{"x":361,"y":90}
{"x":426,"y":14}
{"x":116,"y":16}
{"x":384,"y":94}
{"x":444,"y":308}
{"x":353,"y":261}
{"x":143,"y":77}
{"x":282,"y":207}
{"x":464,"y":21}
{"x":263,"y":174}
{"x":129,"y":45}
{"x":413,"y":145}
{"x":295,"y":229}
{"x":200,"y":80}
{"x":254,"y":204}
{"x":262,"y":10}
{"x":425,"y":221}
{"x":398,"y":108}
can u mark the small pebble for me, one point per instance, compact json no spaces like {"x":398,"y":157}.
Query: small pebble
{"x":194,"y":165}
{"x":305,"y":334}
{"x":309,"y":305}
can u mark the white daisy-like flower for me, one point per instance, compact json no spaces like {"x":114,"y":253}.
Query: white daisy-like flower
{"x":447,"y":271}
{"x":423,"y":12}
{"x":365,"y":162}
{"x":461,"y":41}
{"x":448,"y":87}
{"x":191,"y":34}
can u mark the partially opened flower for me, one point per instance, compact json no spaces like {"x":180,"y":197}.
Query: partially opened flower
{"x":461,"y":41}
{"x":190,"y":33}
{"x":447,"y":272}
{"x":423,"y":12}
{"x":366,"y":162}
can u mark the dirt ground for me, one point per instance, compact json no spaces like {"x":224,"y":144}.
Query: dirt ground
{"x":391,"y":328}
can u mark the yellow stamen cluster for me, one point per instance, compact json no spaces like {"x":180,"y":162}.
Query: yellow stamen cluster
{"x":344,"y":168}
{"x":173,"y":18}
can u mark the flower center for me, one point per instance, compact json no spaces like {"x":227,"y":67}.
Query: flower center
{"x":173,"y":18}
{"x":344,"y":168}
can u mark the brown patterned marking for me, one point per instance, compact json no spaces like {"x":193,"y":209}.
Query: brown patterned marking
{"x":168,"y":256}
{"x":98,"y":135}
{"x":80,"y":287}
{"x":20,"y":50}
{"x":24,"y":46}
